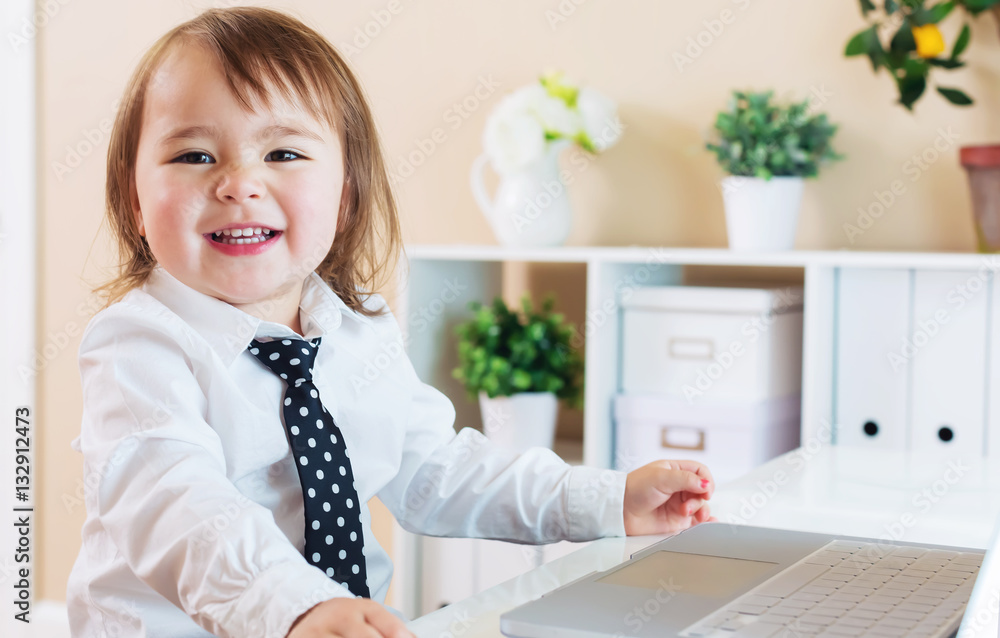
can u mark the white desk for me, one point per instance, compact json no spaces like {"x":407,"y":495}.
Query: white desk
{"x":891,"y":496}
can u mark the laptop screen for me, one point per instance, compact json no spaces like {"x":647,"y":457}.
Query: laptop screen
{"x":982,"y":615}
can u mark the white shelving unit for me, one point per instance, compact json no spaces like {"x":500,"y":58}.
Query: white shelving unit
{"x":441,"y":280}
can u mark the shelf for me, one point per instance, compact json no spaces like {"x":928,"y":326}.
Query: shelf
{"x":702,"y":256}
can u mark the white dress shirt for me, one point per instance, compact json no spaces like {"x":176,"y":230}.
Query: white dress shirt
{"x":195,"y":522}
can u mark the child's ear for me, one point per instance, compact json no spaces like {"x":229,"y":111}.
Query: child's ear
{"x":137,"y":212}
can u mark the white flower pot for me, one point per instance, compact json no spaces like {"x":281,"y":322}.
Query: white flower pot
{"x":520,"y":421}
{"x":531,"y":207}
{"x":762,"y":214}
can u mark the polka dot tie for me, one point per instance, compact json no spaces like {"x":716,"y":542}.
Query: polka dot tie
{"x":333,"y":533}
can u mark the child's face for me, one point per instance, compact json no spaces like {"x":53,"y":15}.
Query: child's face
{"x":235,"y":172}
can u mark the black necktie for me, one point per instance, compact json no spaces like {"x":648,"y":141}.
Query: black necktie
{"x":333,"y":535}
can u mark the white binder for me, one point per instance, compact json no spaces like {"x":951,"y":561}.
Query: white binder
{"x":947,"y":347}
{"x":873,"y":316}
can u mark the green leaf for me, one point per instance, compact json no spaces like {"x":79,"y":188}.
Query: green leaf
{"x":955,"y":96}
{"x":945,"y":64}
{"x":962,"y":42}
{"x":860,"y":44}
{"x":891,"y":7}
{"x":910,"y":89}
{"x":939,"y":12}
{"x":976,"y":7}
{"x":866,"y":6}
{"x":903,"y":41}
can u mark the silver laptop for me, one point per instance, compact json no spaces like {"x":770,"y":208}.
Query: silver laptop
{"x":718,"y":580}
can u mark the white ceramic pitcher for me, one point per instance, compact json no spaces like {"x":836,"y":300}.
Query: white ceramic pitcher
{"x":531,"y":207}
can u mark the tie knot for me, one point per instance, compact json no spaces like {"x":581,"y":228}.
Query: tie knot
{"x":290,"y":359}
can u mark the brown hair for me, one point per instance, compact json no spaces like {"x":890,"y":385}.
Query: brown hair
{"x":258,"y":49}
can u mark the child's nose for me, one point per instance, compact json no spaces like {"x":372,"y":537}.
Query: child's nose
{"x":238,"y":185}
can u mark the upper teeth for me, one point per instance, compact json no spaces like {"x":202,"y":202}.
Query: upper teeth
{"x":243,"y":232}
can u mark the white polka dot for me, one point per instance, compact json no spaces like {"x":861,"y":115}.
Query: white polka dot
{"x":350,"y":503}
{"x":333,"y":439}
{"x":303,"y":460}
{"x":329,"y":572}
{"x":315,"y":557}
{"x":294,"y":362}
{"x":274,"y":355}
{"x":304,"y":411}
{"x":327,"y":457}
{"x":324,"y":407}
{"x":283,"y":375}
{"x":326,"y":507}
{"x":294,"y":429}
{"x":342,"y":554}
{"x":319,"y":424}
{"x":313,"y":393}
{"x":311,"y":442}
{"x":354,"y":536}
{"x":319,"y":474}
{"x":336,"y":489}
{"x":288,"y":400}
{"x":315,"y":525}
{"x":286,"y":342}
{"x":364,"y":552}
{"x":354,"y":568}
{"x":299,"y":382}
{"x":343,"y":470}
{"x":254,"y":351}
{"x":312,"y":493}
{"x":304,"y":351}
{"x":329,"y":540}
{"x":340,"y":521}
{"x":346,"y":453}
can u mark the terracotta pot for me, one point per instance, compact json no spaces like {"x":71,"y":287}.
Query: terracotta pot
{"x":983,"y":166}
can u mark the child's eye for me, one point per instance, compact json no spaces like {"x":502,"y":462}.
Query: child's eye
{"x":194,"y":157}
{"x":283,"y":156}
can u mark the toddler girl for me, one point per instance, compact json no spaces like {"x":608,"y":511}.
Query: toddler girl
{"x":229,"y":458}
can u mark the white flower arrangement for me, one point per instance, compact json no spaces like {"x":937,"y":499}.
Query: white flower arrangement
{"x":526,"y":123}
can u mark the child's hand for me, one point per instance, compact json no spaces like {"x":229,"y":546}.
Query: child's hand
{"x":349,"y":618}
{"x":667,"y":496}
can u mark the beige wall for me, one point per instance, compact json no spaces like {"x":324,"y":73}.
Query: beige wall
{"x":658,"y":187}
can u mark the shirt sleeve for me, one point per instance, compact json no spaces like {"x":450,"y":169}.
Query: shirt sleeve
{"x":462,"y":485}
{"x":163,"y":495}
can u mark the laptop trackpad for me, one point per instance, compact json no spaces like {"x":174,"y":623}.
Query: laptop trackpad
{"x":695,"y":574}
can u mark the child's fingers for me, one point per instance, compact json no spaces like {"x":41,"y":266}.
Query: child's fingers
{"x":698,"y":468}
{"x":386,"y":624}
{"x":674,"y":481}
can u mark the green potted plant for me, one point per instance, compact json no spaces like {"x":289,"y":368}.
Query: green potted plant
{"x":518,"y":365}
{"x":767,"y":149}
{"x":904,"y":39}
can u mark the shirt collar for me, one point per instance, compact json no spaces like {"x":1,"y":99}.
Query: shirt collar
{"x":228,"y":330}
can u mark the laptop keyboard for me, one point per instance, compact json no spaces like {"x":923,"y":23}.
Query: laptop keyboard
{"x":852,"y":589}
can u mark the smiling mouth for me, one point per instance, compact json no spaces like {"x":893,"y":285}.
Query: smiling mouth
{"x":253,"y":237}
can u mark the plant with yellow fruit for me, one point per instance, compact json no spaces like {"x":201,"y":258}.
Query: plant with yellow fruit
{"x":916,"y":44}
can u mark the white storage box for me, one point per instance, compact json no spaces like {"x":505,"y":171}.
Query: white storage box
{"x":730,"y":438}
{"x":712,"y":343}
